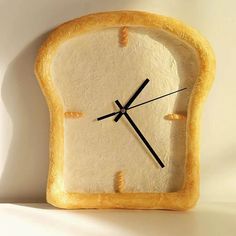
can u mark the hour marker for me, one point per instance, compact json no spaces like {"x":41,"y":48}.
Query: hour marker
{"x":73,"y":115}
{"x":124,"y":36}
{"x":119,"y":182}
{"x":175,"y":117}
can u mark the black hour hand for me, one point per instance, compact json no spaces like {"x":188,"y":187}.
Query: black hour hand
{"x":123,"y":111}
{"x":132,"y":98}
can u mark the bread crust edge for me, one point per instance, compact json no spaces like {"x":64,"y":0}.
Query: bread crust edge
{"x":188,"y":195}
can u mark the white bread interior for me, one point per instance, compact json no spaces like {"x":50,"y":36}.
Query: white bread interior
{"x":90,"y":72}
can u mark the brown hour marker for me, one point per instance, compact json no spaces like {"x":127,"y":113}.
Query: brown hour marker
{"x":73,"y":115}
{"x":175,"y":117}
{"x":119,"y":182}
{"x":124,"y":36}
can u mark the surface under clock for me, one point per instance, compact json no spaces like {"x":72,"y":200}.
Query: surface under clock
{"x":91,"y":71}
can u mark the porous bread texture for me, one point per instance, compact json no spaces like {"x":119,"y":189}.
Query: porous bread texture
{"x":90,"y":72}
{"x":187,"y":196}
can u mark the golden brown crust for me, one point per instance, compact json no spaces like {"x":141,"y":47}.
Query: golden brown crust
{"x":124,"y":36}
{"x":73,"y":114}
{"x":181,"y":200}
{"x":175,"y":117}
{"x":119,"y":182}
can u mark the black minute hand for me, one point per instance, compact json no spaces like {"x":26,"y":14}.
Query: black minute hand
{"x":140,"y":134}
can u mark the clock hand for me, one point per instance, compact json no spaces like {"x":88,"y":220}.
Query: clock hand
{"x":108,"y":115}
{"x":132,"y":99}
{"x":140,"y":134}
{"x":140,"y":104}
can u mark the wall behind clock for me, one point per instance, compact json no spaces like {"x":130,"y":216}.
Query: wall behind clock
{"x":24,"y":116}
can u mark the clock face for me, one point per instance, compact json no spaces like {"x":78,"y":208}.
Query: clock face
{"x":95,"y":75}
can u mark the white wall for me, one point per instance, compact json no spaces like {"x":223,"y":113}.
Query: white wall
{"x":24,"y":116}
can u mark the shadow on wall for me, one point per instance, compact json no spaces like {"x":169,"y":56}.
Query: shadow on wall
{"x":25,"y":173}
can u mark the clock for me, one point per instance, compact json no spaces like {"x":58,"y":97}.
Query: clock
{"x":125,"y":92}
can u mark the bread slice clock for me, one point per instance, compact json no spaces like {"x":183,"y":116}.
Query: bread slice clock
{"x":125,"y":91}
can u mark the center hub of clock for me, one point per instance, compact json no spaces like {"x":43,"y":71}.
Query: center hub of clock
{"x":123,"y":110}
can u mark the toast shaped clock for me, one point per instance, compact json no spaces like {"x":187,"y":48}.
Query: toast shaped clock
{"x":125,"y":91}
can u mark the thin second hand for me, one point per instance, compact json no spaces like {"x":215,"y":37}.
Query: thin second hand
{"x":140,"y":104}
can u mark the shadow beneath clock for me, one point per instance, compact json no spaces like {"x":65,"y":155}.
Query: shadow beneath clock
{"x":205,"y":219}
{"x":25,"y":171}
